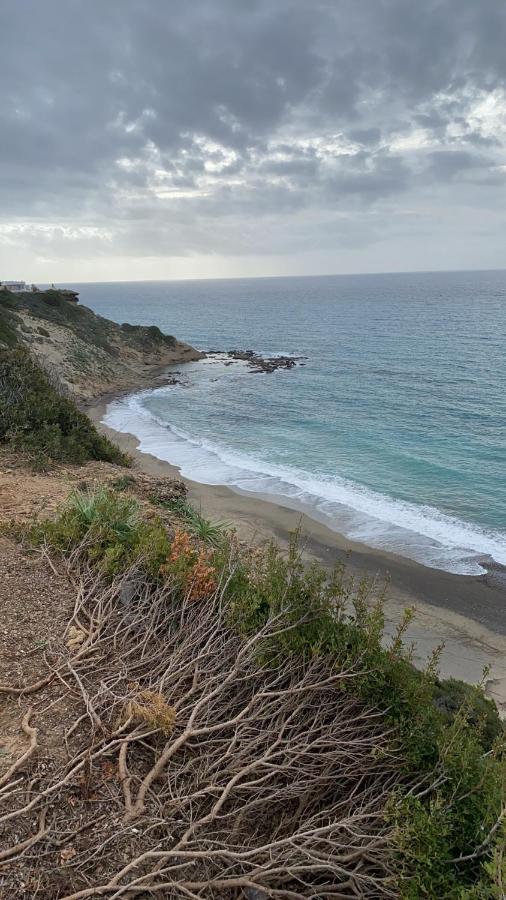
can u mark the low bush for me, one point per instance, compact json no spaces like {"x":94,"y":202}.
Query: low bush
{"x":447,"y":737}
{"x":110,"y":529}
{"x":8,"y":320}
{"x":148,"y":335}
{"x":123,"y":483}
{"x":192,"y":568}
{"x":36,"y":419}
{"x":212,"y":533}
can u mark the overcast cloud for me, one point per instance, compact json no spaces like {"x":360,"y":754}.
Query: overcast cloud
{"x":152,"y":138}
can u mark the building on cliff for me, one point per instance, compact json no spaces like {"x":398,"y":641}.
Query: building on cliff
{"x":21,"y":287}
{"x":15,"y":287}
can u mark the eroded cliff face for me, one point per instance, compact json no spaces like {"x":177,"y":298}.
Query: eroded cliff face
{"x":87,"y":355}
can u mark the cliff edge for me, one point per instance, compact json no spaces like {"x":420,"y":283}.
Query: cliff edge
{"x":87,"y":355}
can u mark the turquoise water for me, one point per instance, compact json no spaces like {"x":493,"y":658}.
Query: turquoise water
{"x":394,"y":432}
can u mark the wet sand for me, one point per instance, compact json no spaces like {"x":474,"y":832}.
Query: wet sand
{"x":467,"y":613}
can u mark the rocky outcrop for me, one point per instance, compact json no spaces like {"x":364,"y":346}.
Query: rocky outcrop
{"x":87,"y":355}
{"x":149,"y":487}
{"x":257,"y":363}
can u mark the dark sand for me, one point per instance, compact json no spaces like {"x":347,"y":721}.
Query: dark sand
{"x":467,"y":613}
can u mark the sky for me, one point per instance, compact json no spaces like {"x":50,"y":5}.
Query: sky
{"x":155,"y":139}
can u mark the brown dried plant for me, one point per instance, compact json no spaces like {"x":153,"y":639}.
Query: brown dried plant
{"x":234,"y":774}
{"x":192,"y":566}
{"x":151,"y":708}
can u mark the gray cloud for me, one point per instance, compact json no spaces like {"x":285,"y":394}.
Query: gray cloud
{"x":151,"y":128}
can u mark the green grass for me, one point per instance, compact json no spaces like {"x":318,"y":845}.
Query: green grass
{"x":34,"y":417}
{"x":212,"y":533}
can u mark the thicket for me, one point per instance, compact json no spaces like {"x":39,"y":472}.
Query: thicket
{"x":450,"y":827}
{"x":9,"y":320}
{"x":36,"y":419}
{"x":446,"y":811}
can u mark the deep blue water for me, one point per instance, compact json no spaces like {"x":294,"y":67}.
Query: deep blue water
{"x":394,"y":432}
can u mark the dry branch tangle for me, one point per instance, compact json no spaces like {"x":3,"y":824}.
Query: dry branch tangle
{"x":272,"y":777}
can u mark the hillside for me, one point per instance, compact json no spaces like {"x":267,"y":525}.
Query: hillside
{"x":87,"y":355}
{"x":183,"y":716}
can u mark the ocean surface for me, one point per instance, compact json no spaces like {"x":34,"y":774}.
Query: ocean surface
{"x":392,"y":433}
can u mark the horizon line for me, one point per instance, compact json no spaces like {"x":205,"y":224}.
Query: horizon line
{"x":272,"y":277}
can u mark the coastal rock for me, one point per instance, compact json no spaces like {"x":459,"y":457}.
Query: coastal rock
{"x":259,"y":364}
{"x":172,"y":379}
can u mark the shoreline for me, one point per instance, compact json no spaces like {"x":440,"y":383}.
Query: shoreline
{"x":467,"y":612}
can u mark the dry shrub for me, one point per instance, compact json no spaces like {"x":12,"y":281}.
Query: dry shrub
{"x":235,"y":773}
{"x":151,"y":708}
{"x":191,"y":566}
{"x":181,"y":549}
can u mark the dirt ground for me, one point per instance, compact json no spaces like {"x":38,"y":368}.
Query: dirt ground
{"x":37,"y":600}
{"x":27,"y":495}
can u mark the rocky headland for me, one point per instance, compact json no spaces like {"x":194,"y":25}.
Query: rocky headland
{"x":87,"y":355}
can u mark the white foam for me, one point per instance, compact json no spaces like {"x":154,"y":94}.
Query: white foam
{"x":421,"y":533}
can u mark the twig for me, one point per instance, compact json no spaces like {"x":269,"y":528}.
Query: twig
{"x":31,"y":733}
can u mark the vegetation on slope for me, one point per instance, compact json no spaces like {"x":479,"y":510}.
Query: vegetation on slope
{"x":91,"y":354}
{"x":9,"y":321}
{"x":35,"y":418}
{"x":53,"y":307}
{"x":373,"y":777}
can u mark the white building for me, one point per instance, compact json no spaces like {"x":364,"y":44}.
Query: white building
{"x":14,"y":286}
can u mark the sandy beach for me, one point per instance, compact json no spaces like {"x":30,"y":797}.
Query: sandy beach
{"x":467,"y":613}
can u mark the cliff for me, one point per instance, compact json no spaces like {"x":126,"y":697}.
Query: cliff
{"x":85,"y":353}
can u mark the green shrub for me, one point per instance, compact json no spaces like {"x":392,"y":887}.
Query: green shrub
{"x":8,"y":320}
{"x":451,"y":695}
{"x":123,"y":482}
{"x":447,"y":735}
{"x":36,"y":419}
{"x":148,"y":335}
{"x":110,"y":529}
{"x":212,"y":533}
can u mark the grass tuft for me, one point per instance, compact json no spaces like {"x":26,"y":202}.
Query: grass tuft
{"x":212,"y":533}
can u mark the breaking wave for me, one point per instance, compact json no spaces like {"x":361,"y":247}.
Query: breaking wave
{"x":421,"y":533}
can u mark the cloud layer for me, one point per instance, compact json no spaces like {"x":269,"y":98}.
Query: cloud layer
{"x":222,"y":136}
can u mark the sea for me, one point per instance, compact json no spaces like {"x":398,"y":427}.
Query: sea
{"x":392,"y":431}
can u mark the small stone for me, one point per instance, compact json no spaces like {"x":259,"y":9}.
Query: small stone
{"x":127,"y":593}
